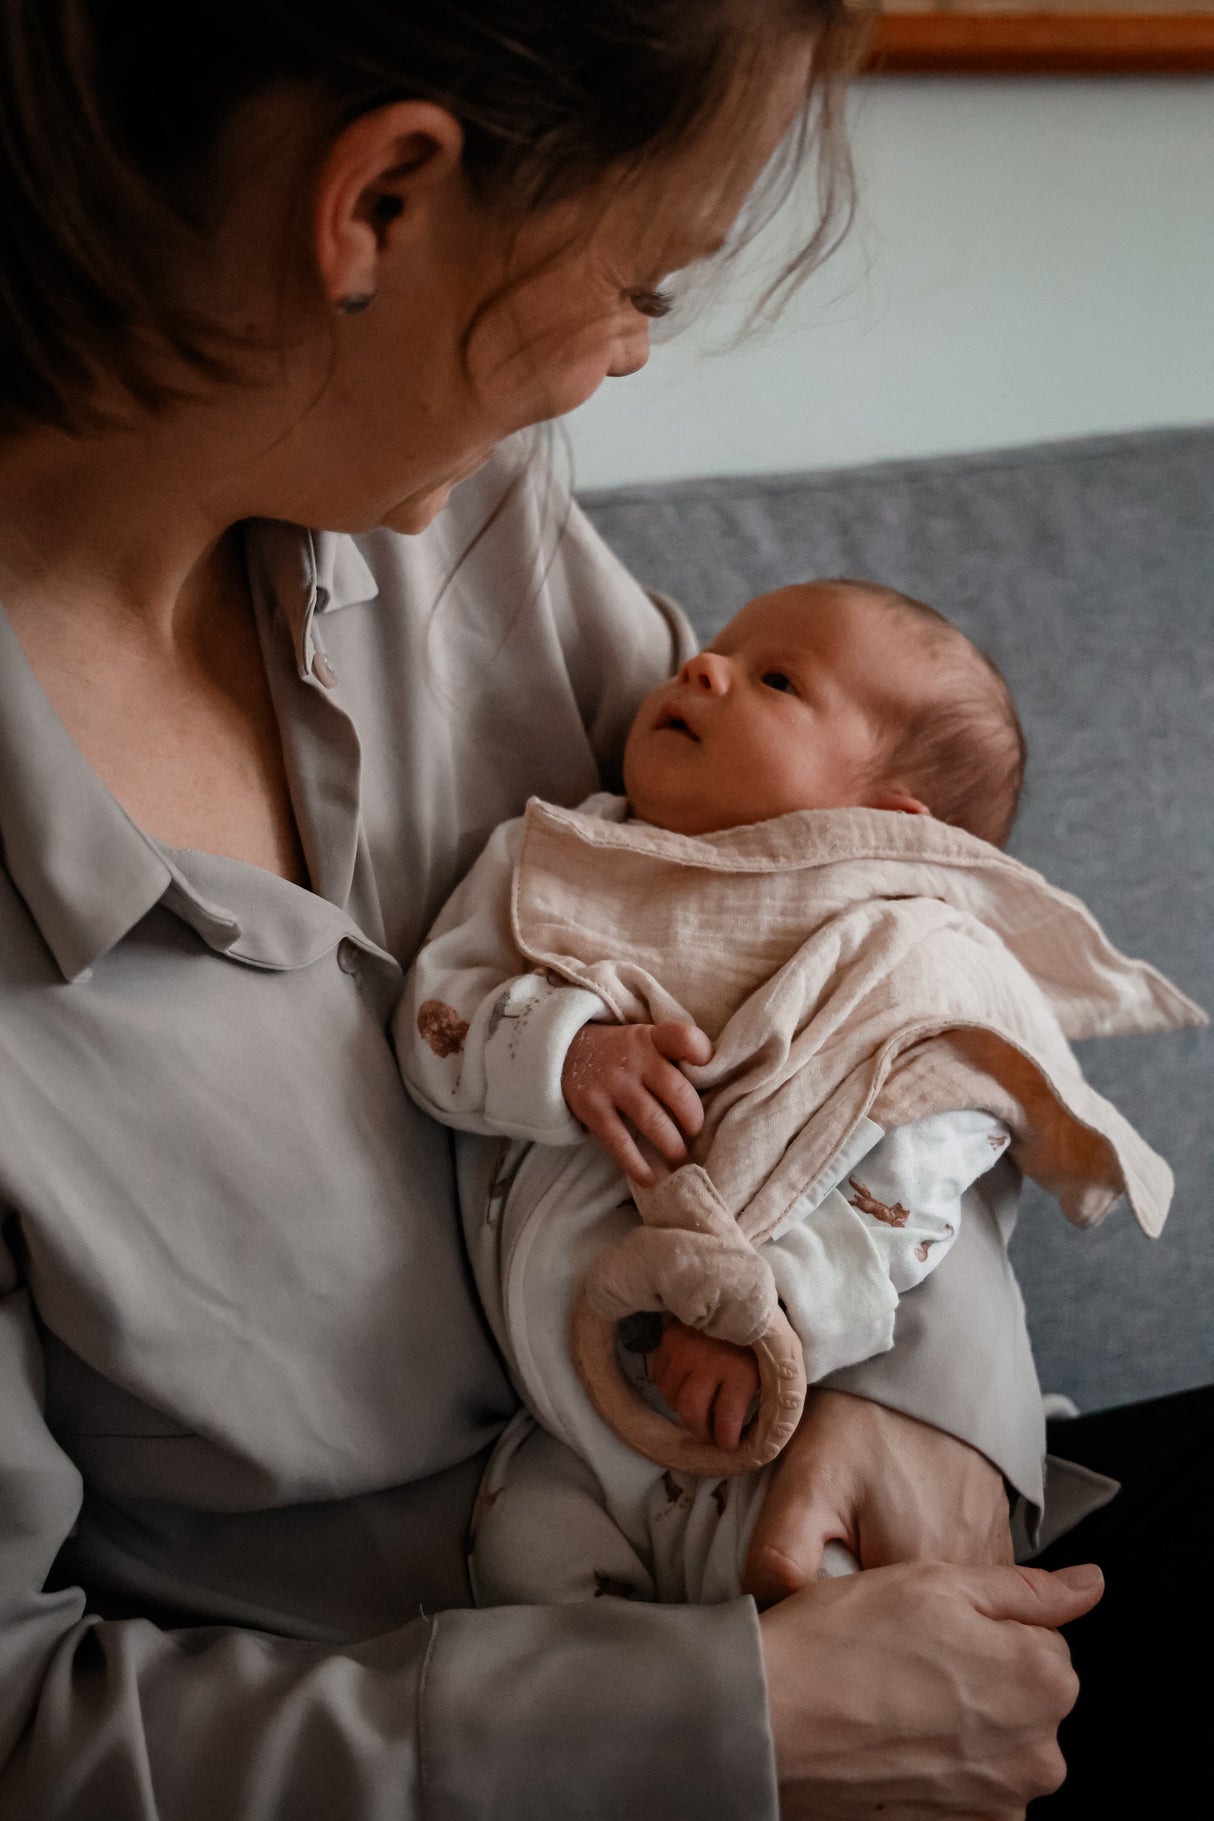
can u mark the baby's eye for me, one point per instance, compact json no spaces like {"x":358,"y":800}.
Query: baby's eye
{"x":778,"y":679}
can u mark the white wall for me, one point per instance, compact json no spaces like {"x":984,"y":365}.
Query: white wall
{"x":1034,"y":259}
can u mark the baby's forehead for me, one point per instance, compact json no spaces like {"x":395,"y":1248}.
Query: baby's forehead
{"x":808,"y":613}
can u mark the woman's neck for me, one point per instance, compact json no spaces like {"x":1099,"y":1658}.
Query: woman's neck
{"x":128,"y":592}
{"x":108,"y":538}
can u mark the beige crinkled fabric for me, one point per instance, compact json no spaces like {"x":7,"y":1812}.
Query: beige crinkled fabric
{"x":846,"y":964}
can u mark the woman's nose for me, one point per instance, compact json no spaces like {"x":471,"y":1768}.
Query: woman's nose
{"x":706,"y":671}
{"x":632,"y":351}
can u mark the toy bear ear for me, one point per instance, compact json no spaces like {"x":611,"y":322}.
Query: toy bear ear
{"x":899,"y":800}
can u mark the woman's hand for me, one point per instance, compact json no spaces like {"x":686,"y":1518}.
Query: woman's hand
{"x":615,"y":1072}
{"x":922,"y":1690}
{"x":888,"y":1487}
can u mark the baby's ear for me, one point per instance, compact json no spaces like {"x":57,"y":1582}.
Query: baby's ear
{"x":900,"y":800}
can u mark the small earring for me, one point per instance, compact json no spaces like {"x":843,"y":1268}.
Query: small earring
{"x":355,"y":302}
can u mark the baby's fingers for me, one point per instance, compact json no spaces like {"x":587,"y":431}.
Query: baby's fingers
{"x":607,"y":1126}
{"x":682,"y":1042}
{"x":670,"y":1086}
{"x":651,"y":1120}
{"x":693,"y":1403}
{"x":730,"y":1409}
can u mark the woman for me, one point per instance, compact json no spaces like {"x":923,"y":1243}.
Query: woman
{"x":312,"y":274}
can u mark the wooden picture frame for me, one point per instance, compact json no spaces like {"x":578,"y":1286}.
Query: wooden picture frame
{"x":1055,"y":37}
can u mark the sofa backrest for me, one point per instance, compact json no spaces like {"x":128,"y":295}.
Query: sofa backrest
{"x":1087,"y":571}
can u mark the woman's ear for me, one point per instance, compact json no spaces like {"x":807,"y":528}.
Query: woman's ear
{"x":900,"y":800}
{"x":376,"y":178}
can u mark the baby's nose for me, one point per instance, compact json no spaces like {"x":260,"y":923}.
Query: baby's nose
{"x":706,"y":671}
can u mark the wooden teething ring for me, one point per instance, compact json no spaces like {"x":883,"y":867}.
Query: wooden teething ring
{"x":781,"y":1398}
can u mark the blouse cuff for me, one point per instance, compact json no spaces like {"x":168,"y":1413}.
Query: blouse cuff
{"x":599,"y":1711}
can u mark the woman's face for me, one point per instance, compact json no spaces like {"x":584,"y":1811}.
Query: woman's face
{"x":488,"y":333}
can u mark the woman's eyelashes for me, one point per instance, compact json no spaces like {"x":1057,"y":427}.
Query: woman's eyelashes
{"x":656,"y":303}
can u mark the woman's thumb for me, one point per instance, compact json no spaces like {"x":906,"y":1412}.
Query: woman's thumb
{"x":1084,"y":1585}
{"x":1035,"y":1596}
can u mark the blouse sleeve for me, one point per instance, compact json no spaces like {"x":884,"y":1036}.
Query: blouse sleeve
{"x":511,"y":1711}
{"x":842,"y":1266}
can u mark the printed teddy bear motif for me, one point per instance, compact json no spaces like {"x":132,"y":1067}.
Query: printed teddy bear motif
{"x":897,"y":1216}
{"x":676,"y":1494}
{"x":441,"y":1027}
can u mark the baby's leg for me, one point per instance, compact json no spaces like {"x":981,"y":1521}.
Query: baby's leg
{"x":541,"y":1532}
{"x":701,"y":1531}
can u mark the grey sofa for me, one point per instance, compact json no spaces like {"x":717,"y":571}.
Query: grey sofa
{"x":1087,"y":570}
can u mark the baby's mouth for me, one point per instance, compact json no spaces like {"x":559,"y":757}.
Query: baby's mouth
{"x":670,"y":722}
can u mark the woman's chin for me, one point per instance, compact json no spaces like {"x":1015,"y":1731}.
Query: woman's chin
{"x":418,"y":510}
{"x":421,"y":509}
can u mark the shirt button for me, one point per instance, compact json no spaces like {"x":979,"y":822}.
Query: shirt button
{"x":322,"y":670}
{"x":349,"y":956}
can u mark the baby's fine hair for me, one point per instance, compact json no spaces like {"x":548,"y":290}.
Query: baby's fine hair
{"x":963,"y":752}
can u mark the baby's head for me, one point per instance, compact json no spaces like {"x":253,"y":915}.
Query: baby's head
{"x":823,"y":696}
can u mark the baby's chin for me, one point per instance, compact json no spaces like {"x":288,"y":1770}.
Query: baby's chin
{"x":679,"y":817}
{"x":665,"y":802}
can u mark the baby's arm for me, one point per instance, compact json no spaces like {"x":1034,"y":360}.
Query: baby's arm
{"x":908,"y":1189}
{"x":841,"y":1268}
{"x":481,"y":1042}
{"x":486,"y":1047}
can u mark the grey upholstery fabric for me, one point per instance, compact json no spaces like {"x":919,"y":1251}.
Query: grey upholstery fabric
{"x":1086,"y":569}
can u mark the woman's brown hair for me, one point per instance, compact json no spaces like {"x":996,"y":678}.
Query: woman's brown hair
{"x":111,"y":112}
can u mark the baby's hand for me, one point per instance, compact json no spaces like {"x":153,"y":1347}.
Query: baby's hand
{"x":709,"y":1384}
{"x":615,"y":1072}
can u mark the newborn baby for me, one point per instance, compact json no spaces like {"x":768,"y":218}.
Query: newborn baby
{"x":801,"y":906}
{"x":823,"y":696}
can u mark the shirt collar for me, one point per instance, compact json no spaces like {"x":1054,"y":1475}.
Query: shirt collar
{"x":309,"y":573}
{"x":86,"y":872}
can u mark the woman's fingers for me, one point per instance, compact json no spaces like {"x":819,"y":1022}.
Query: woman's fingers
{"x":894,"y":1689}
{"x":795,"y":1523}
{"x":891,"y":1488}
